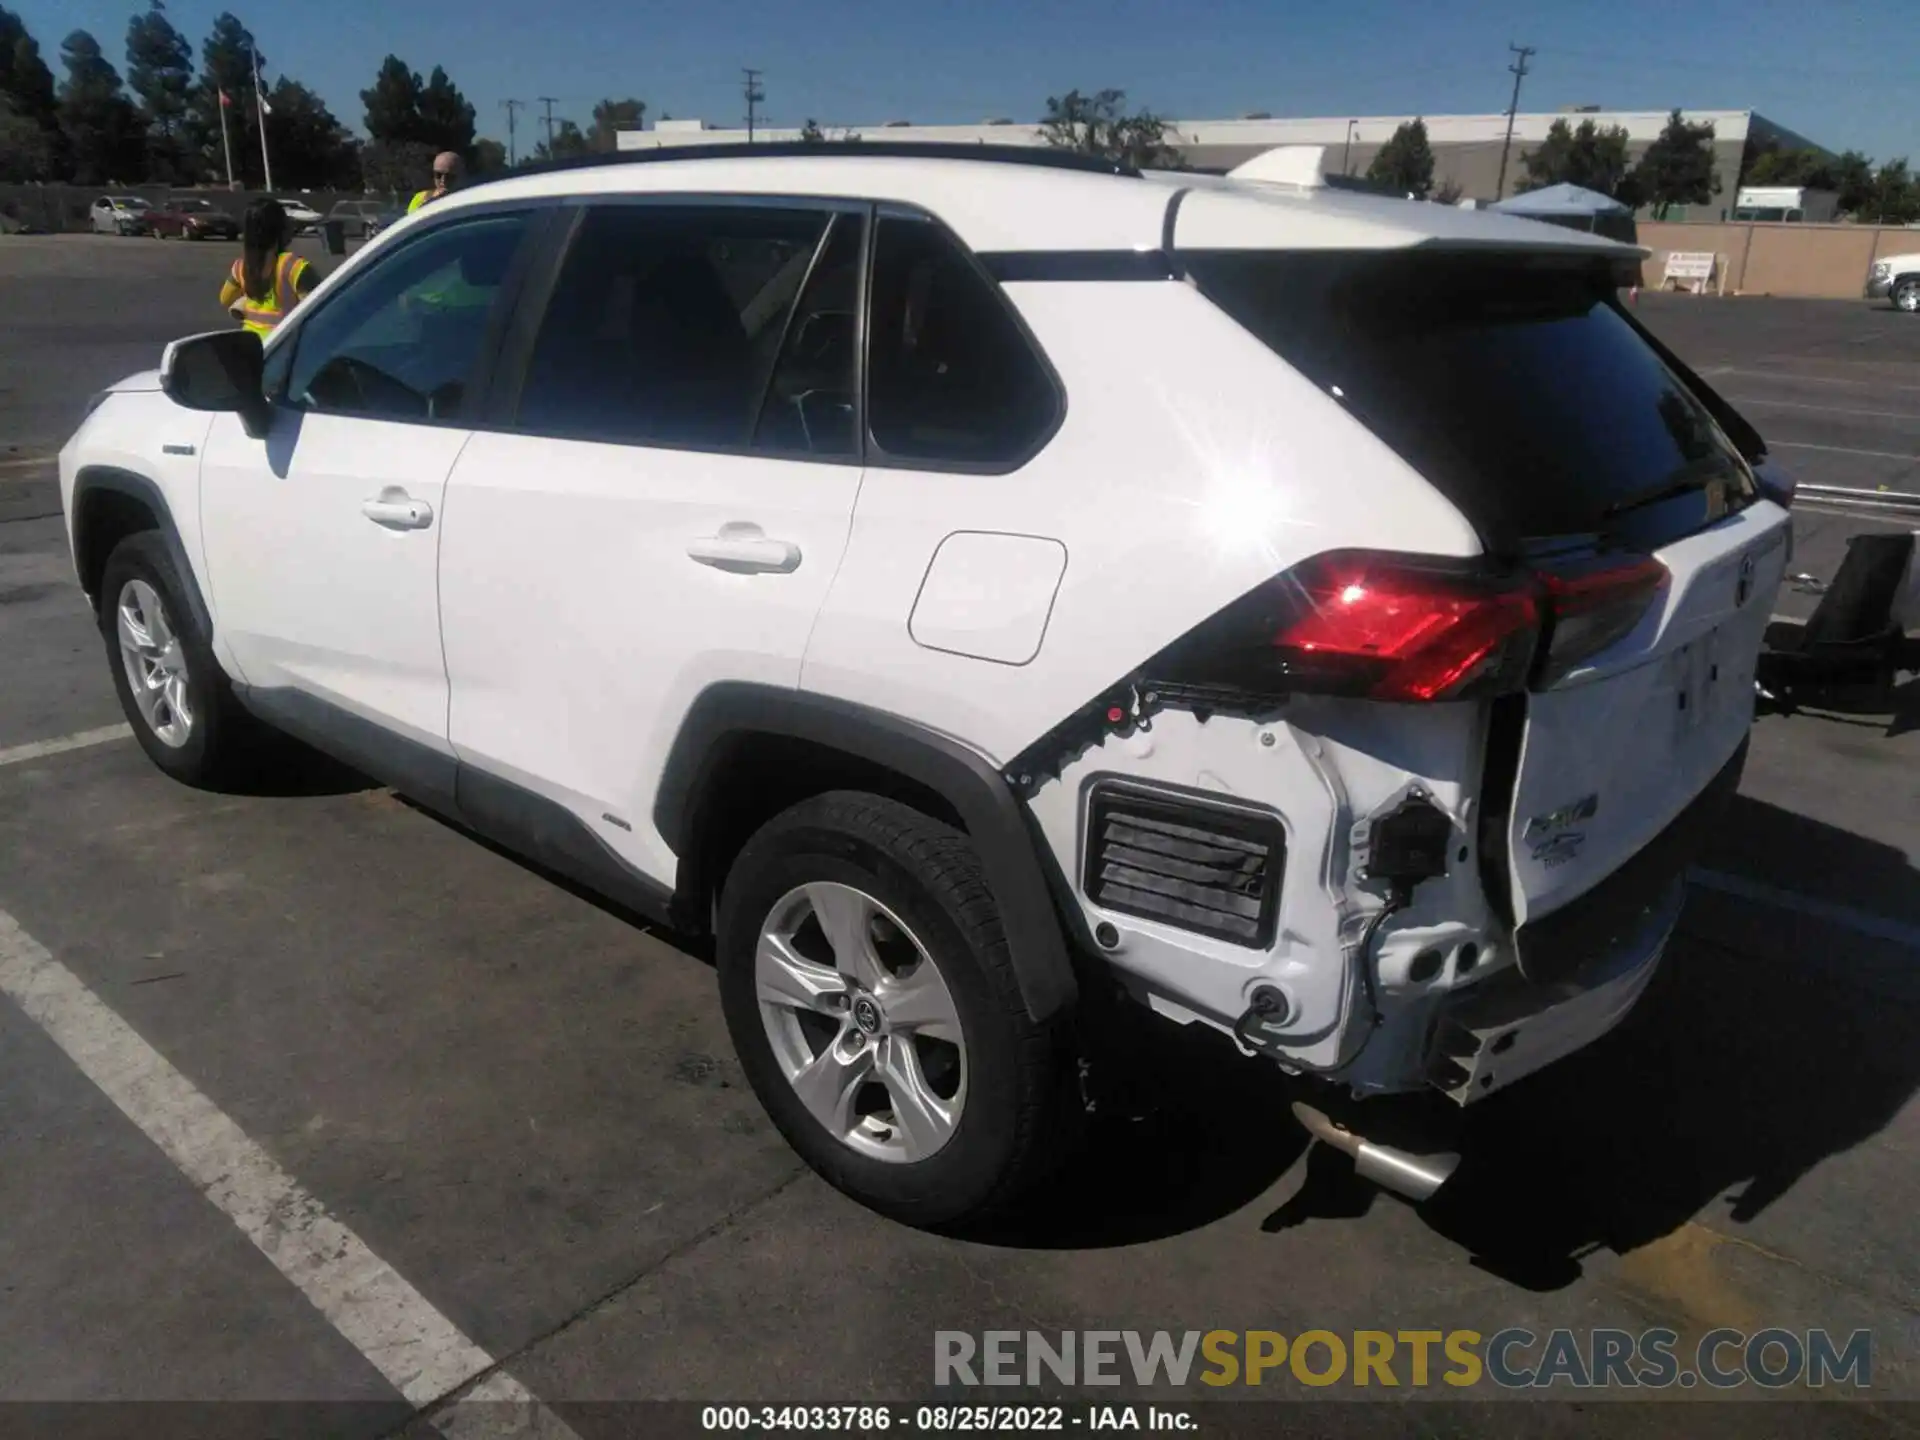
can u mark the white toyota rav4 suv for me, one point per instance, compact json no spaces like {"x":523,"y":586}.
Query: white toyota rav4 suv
{"x":973,"y":585}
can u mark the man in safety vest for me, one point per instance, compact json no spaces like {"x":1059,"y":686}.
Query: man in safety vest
{"x":447,"y":168}
{"x":268,"y":279}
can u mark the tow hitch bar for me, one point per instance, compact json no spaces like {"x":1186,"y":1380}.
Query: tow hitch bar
{"x":1415,"y":1176}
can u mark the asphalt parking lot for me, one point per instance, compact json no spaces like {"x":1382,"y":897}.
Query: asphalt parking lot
{"x":306,"y":1078}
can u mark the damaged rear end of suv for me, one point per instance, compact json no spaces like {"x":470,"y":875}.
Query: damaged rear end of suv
{"x":1411,"y":814}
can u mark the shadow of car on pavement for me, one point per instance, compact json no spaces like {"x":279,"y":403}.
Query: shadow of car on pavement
{"x":1736,"y":1074}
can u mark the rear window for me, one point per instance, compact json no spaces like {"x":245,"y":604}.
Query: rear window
{"x":1517,"y":387}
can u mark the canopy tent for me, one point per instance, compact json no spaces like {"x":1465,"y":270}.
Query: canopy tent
{"x":1573,"y":206}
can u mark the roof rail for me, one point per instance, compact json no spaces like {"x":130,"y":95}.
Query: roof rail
{"x":1043,"y":156}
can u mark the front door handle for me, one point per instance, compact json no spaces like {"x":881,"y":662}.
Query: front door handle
{"x":745,"y":550}
{"x":397,"y":510}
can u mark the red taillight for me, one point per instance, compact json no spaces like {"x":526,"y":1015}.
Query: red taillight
{"x":1405,"y":632}
{"x":1594,"y":606}
{"x":1410,"y":628}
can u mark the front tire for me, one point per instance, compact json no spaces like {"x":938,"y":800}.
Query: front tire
{"x":175,"y":696}
{"x":869,"y":993}
{"x":1906,"y":295}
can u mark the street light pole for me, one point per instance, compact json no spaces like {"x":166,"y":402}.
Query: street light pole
{"x":1346,"y":158}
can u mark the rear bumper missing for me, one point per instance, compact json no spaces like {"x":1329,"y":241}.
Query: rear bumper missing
{"x":1506,"y":1028}
{"x":1581,"y":968}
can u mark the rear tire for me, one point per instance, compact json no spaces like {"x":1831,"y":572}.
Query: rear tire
{"x":964,"y":1101}
{"x":175,"y":696}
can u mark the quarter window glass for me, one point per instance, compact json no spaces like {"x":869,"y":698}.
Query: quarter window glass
{"x":403,"y":341}
{"x":809,"y":408}
{"x":665,"y":323}
{"x":950,"y":374}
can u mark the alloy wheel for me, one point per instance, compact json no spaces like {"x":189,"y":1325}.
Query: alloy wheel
{"x":156,"y":663}
{"x":861,"y":1022}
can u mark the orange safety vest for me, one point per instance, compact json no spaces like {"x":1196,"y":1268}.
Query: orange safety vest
{"x":260,"y":316}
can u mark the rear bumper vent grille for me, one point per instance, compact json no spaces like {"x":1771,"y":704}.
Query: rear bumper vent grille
{"x":1200,"y":867}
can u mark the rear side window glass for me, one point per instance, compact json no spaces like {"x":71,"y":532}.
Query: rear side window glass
{"x":1516,"y":387}
{"x":951,"y":375}
{"x":809,"y":406}
{"x":666,"y":321}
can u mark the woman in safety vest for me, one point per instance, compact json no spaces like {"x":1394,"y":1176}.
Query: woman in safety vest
{"x":268,"y":279}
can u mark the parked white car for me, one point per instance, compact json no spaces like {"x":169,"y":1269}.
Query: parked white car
{"x":305,"y":218}
{"x":1896,"y":278}
{"x":120,"y":215}
{"x":976,"y":588}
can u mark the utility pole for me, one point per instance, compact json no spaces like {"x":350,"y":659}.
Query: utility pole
{"x":548,"y":101}
{"x":1519,"y":68}
{"x":755,"y":94}
{"x":510,"y":106}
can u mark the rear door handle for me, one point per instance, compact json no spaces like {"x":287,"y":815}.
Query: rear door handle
{"x":745,"y":550}
{"x":397,"y":510}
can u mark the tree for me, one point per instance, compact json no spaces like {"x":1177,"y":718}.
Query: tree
{"x":1811,"y":168}
{"x":1853,"y":178}
{"x":1448,"y":192}
{"x":101,"y":126}
{"x":1589,"y":157}
{"x":160,"y":72}
{"x":26,"y":147}
{"x":811,"y":133}
{"x":393,"y":103}
{"x":1677,"y":168}
{"x":446,"y":119}
{"x":31,"y":145}
{"x":311,"y":149}
{"x":1896,"y":195}
{"x":568,"y":144}
{"x":1405,"y":163}
{"x":489,"y":157}
{"x":26,"y":84}
{"x":226,"y":66}
{"x":610,"y":117}
{"x":1096,"y":125}
{"x":396,"y":167}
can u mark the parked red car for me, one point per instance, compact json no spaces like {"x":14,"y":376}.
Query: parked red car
{"x":188,"y":217}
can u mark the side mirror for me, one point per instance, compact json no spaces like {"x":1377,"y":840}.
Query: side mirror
{"x":219,"y":371}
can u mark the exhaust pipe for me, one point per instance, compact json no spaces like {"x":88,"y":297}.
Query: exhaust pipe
{"x":1415,"y":1176}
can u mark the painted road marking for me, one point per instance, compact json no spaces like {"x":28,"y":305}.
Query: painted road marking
{"x":1760,"y":404}
{"x":1842,"y":450}
{"x":421,"y":1353}
{"x":31,"y":462}
{"x":1863,"y":922}
{"x":82,"y":740}
{"x":1788,"y":379}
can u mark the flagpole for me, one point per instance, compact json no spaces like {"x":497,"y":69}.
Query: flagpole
{"x":260,"y":105}
{"x":226,"y":145}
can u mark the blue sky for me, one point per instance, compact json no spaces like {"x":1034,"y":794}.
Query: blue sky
{"x":1838,"y":71}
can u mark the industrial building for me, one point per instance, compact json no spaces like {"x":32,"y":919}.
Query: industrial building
{"x":1466,"y":148}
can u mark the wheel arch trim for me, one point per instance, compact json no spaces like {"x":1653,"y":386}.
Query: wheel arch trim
{"x":728,"y":715}
{"x":94,"y":479}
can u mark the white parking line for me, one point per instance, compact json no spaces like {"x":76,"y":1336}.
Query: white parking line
{"x":1862,"y":922}
{"x":1790,"y":379}
{"x":82,"y":740}
{"x":1840,"y":450}
{"x":1757,"y":404}
{"x":421,"y":1353}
